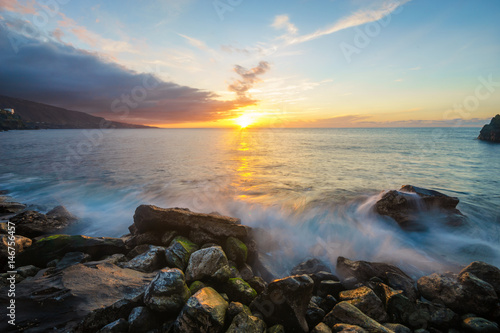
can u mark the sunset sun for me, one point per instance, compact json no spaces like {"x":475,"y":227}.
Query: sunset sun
{"x":245,"y":120}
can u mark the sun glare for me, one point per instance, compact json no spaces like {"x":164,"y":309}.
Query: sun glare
{"x":245,"y":120}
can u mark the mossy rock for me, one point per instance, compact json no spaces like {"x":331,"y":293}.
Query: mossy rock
{"x":56,"y":246}
{"x":239,"y":291}
{"x":179,"y":251}
{"x":195,"y":286}
{"x":236,"y":250}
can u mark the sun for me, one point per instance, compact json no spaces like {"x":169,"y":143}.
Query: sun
{"x":245,"y":120}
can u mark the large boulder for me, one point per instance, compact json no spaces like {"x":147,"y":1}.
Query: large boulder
{"x":236,"y":250}
{"x":310,"y":266}
{"x":346,"y":313}
{"x":208,"y":264}
{"x":367,"y":301}
{"x":61,"y":214}
{"x":167,"y":292}
{"x":56,"y":246}
{"x":63,"y":299}
{"x":152,"y":218}
{"x":491,"y":132}
{"x":239,"y":291}
{"x":108,"y":314}
{"x":391,"y":275}
{"x":33,"y":224}
{"x":243,"y":322}
{"x":206,"y":309}
{"x":464,"y":293}
{"x":7,"y":207}
{"x":179,"y":251}
{"x":485,"y":272}
{"x":286,"y":302}
{"x":142,"y":320}
{"x":479,"y":325}
{"x":406,"y":204}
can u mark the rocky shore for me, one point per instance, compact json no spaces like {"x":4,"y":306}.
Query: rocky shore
{"x":491,"y":131}
{"x":182,"y":271}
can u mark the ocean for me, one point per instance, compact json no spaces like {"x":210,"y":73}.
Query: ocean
{"x":311,"y":190}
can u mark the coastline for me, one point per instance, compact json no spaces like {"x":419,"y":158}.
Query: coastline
{"x":176,"y":267}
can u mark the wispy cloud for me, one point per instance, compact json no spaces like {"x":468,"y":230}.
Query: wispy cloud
{"x":17,"y":7}
{"x":248,"y":77}
{"x":283,"y":22}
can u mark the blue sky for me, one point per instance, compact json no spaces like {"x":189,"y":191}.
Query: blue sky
{"x":306,"y":63}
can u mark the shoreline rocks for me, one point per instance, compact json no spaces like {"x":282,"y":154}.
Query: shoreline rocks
{"x":181,"y":271}
{"x":491,"y":132}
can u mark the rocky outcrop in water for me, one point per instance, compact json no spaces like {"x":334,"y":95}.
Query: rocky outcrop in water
{"x":92,"y":284}
{"x":491,"y":132}
{"x":409,"y":204}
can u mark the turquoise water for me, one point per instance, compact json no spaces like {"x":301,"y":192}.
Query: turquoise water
{"x":311,"y":189}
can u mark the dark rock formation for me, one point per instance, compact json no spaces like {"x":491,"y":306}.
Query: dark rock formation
{"x":310,"y":266}
{"x":244,"y":322}
{"x":406,"y":204}
{"x":485,"y":272}
{"x":346,"y":313}
{"x":179,"y":251}
{"x":33,"y":224}
{"x":167,"y":292}
{"x":209,"y":263}
{"x":491,"y":132}
{"x":365,"y":299}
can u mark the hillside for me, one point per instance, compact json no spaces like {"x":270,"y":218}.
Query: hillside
{"x":37,"y":115}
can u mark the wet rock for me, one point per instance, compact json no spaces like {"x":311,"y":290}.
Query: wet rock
{"x":168,"y":236}
{"x":148,"y":261}
{"x":101,"y":316}
{"x":118,"y":326}
{"x":246,"y":272}
{"x":205,"y":309}
{"x":33,"y":224}
{"x":195,"y":286}
{"x":65,"y":298}
{"x":485,"y":272}
{"x":348,"y":328}
{"x":234,"y":309}
{"x":7,"y":207}
{"x":285,"y":302}
{"x":310,"y":266}
{"x":314,"y":314}
{"x":321,"y":328}
{"x":72,"y":258}
{"x":115,"y":259}
{"x":243,"y":322}
{"x":56,"y":246}
{"x":210,"y":263}
{"x":139,"y":249}
{"x":276,"y":329}
{"x":491,"y":132}
{"x":330,"y":287}
{"x":167,"y":292}
{"x":397,"y":328}
{"x":240,"y":291}
{"x":201,"y":237}
{"x":142,"y":320}
{"x":405,"y":205}
{"x":438,"y":315}
{"x":365,"y":299}
{"x":346,"y":313}
{"x":236,"y":250}
{"x":479,"y":325}
{"x":149,"y":238}
{"x":179,"y":251}
{"x":258,"y":284}
{"x":152,"y":218}
{"x":28,"y":270}
{"x":464,"y":294}
{"x":363,"y":271}
{"x":61,"y":214}
{"x":20,"y":244}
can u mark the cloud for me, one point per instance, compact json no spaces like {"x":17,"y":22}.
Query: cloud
{"x":248,"y":78}
{"x":59,"y":74}
{"x":283,"y":22}
{"x":15,"y":6}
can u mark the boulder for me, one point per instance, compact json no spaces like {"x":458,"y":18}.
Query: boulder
{"x":118,"y":326}
{"x":149,"y":238}
{"x":149,"y":261}
{"x":167,"y":292}
{"x":195,"y":286}
{"x":463,"y":294}
{"x":28,"y":270}
{"x":276,"y":329}
{"x":20,"y":244}
{"x":209,"y":263}
{"x":330,"y":287}
{"x":152,"y":218}
{"x":310,"y":266}
{"x":285,"y":302}
{"x":179,"y":251}
{"x":391,"y":275}
{"x":346,"y":328}
{"x":236,"y":250}
{"x":321,"y":328}
{"x":479,"y":325}
{"x":485,"y":272}
{"x":346,"y":313}
{"x":108,"y":314}
{"x":168,"y":236}
{"x":246,"y":272}
{"x":33,"y":224}
{"x":314,"y":314}
{"x":7,"y":207}
{"x":407,"y":203}
{"x":234,"y":309}
{"x":397,"y":328}
{"x":72,"y":258}
{"x":258,"y":284}
{"x":239,"y":291}
{"x":491,"y":132}
{"x":365,"y":299}
{"x":438,"y":315}
{"x":205,"y":309}
{"x":63,"y":299}
{"x":56,"y":246}
{"x":142,"y":320}
{"x":244,"y":322}
{"x":61,"y":214}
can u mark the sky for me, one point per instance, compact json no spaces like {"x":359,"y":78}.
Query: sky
{"x":230,"y":63}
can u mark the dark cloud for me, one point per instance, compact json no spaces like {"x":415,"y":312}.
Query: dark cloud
{"x":248,"y":78}
{"x":44,"y":70}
